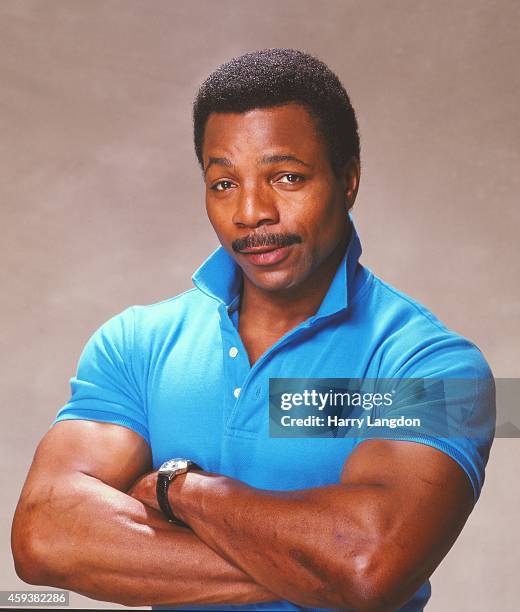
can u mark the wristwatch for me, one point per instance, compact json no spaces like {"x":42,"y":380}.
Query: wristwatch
{"x":167,"y":472}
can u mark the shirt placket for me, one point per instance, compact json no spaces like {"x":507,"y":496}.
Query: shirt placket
{"x":244,"y":384}
{"x":235,"y":360}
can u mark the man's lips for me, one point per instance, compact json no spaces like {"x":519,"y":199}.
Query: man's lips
{"x":260,"y":249}
{"x":265,"y":255}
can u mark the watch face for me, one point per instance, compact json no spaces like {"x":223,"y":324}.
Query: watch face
{"x":174,"y":466}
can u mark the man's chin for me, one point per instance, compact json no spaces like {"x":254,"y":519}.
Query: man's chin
{"x":274,"y":281}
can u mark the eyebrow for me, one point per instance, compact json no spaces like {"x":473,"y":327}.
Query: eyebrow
{"x":273,"y":159}
{"x":266,"y":159}
{"x":218,"y":161}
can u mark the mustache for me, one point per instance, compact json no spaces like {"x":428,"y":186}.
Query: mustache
{"x":260,"y":240}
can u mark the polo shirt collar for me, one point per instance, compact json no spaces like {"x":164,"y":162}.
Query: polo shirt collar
{"x":220,"y":277}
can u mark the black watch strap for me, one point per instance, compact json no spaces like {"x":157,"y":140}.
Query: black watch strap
{"x":163,"y":484}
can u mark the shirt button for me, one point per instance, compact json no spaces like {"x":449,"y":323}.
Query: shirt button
{"x":236,"y":392}
{"x":233,"y":351}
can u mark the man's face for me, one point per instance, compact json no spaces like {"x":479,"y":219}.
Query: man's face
{"x":272,"y":197}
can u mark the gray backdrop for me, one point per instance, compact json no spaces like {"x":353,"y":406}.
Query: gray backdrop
{"x":102,"y":202}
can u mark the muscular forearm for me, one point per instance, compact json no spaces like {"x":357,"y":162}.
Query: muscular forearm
{"x":310,"y":546}
{"x":88,"y":537}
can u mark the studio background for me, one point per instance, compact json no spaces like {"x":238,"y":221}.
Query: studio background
{"x":101,"y":198}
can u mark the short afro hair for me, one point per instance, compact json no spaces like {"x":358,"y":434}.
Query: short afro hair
{"x":274,"y":77}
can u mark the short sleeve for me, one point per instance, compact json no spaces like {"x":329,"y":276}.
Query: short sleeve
{"x":105,"y":387}
{"x":446,"y":401}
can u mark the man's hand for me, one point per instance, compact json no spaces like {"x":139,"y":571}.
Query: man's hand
{"x":144,"y":490}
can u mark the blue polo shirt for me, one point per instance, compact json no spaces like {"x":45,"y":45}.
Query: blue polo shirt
{"x":177,"y":373}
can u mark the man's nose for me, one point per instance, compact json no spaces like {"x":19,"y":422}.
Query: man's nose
{"x":255,"y":206}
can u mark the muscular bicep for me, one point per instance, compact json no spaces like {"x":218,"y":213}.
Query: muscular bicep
{"x":421,"y":501}
{"x":111,"y":453}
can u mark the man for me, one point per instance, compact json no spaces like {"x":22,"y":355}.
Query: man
{"x":257,"y":521}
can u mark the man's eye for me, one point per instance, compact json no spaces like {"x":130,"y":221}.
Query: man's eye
{"x":290,"y":178}
{"x":222,"y":186}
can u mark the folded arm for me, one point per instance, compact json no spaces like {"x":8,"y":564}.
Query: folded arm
{"x":75,"y":528}
{"x":367,"y":543}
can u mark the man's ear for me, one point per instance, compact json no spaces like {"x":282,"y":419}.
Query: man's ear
{"x":351,"y":175}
